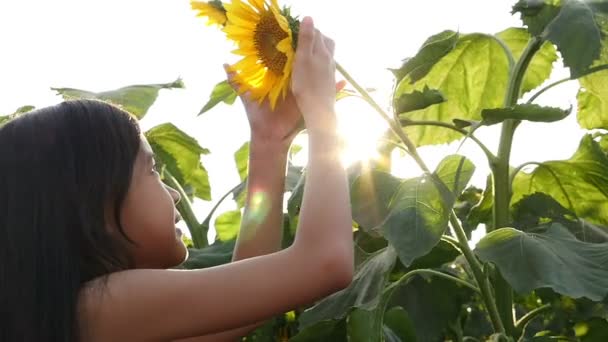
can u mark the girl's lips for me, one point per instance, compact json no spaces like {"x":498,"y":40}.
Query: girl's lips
{"x":179,"y":232}
{"x":178,"y":217}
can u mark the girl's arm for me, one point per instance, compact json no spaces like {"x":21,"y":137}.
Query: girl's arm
{"x":158,"y":305}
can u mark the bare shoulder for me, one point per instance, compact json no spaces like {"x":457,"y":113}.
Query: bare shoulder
{"x":164,"y":305}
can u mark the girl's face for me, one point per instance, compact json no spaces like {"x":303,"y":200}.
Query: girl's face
{"x":149,"y":215}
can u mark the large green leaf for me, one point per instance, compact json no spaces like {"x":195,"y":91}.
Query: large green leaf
{"x":529,"y":112}
{"x":370,"y":194}
{"x":181,"y":155}
{"x":364,"y":292}
{"x":432,"y":305}
{"x":419,"y":211}
{"x":579,"y":184}
{"x":217,"y":254}
{"x":241,"y":159}
{"x":593,"y":95}
{"x":537,"y":14}
{"x":222,"y":92}
{"x":227,"y":225}
{"x":577,"y":36}
{"x":554,"y":259}
{"x":433,"y":49}
{"x":135,"y":99}
{"x":473,"y":76}
{"x":541,"y":65}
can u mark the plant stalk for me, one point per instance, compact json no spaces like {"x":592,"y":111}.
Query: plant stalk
{"x":199,"y":238}
{"x":502,"y":181}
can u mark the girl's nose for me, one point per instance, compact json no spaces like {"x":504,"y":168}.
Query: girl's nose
{"x":174,"y":194}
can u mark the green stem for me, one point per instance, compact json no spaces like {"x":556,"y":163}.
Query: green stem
{"x":521,"y":323}
{"x":410,"y":274}
{"x":207,"y":221}
{"x":185,"y":208}
{"x":489,"y":155}
{"x":480,"y":277}
{"x":556,"y":83}
{"x":484,"y":284}
{"x":502,"y":185}
{"x":518,"y":170}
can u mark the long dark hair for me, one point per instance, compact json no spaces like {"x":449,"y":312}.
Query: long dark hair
{"x":62,"y":170}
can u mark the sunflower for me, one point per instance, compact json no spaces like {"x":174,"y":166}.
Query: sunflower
{"x":264,"y":37}
{"x":213,"y":10}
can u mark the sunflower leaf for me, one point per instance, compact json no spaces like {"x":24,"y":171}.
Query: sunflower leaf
{"x":593,"y":94}
{"x":541,"y":65}
{"x":528,"y":112}
{"x":419,"y":211}
{"x":227,"y":225}
{"x":577,"y":36}
{"x":217,"y":254}
{"x":181,"y":155}
{"x":579,"y":184}
{"x":365,"y":291}
{"x":222,"y":92}
{"x":135,"y":99}
{"x":472,"y":76}
{"x":537,"y":14}
{"x":554,"y":259}
{"x":433,"y":49}
{"x":418,"y":100}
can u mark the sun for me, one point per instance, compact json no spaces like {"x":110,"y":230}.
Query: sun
{"x":360,"y":129}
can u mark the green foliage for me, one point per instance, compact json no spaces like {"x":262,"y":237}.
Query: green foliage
{"x":419,"y":210}
{"x":227,"y":225}
{"x":577,"y":36}
{"x":430,"y":53}
{"x":541,"y":66}
{"x":418,"y":100}
{"x":20,"y":111}
{"x":181,"y":155}
{"x":217,"y":254}
{"x":222,"y":92}
{"x":135,"y":99}
{"x":528,"y":112}
{"x":554,"y":259}
{"x":579,"y":184}
{"x":592,"y":103}
{"x":471,"y":77}
{"x":364,"y":292}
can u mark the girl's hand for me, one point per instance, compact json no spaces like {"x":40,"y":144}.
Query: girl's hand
{"x":279,"y":126}
{"x":313,"y":81}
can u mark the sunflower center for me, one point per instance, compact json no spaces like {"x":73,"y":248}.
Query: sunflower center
{"x":268,"y":34}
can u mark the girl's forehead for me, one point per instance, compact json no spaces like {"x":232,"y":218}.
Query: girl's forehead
{"x":145,"y":146}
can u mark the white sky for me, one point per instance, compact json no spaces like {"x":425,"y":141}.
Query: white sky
{"x":103,"y":45}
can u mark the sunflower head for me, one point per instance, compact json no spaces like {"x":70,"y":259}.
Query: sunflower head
{"x":213,"y":10}
{"x":264,"y":36}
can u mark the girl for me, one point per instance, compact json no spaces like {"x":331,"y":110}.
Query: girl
{"x":87,"y":228}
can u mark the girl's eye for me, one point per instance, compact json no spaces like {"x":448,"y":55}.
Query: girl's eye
{"x":156,"y":168}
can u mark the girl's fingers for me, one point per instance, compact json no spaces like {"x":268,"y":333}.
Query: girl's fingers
{"x":329,"y":44}
{"x":306,"y":37}
{"x":340,"y":85}
{"x":319,"y":44}
{"x":230,"y":76}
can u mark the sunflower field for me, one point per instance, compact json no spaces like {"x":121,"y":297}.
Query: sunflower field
{"x":539,"y":272}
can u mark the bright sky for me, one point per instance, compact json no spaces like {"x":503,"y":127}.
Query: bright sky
{"x":103,"y":45}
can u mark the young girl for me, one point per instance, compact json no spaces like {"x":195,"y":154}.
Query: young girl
{"x":87,"y":228}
